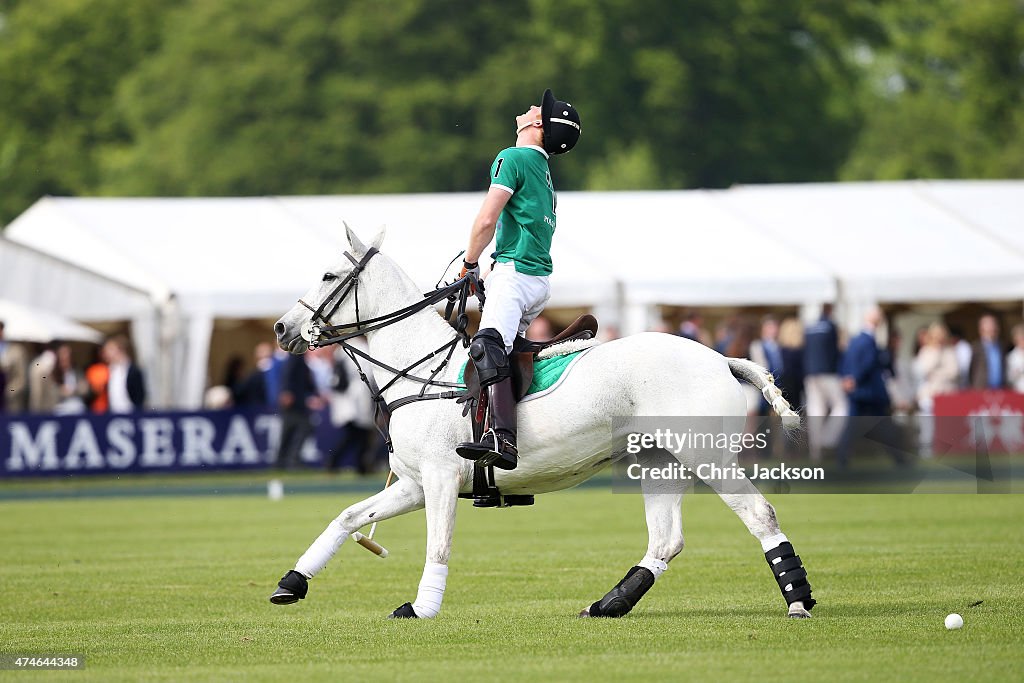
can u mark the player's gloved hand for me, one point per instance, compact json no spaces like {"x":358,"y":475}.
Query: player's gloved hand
{"x":468,"y":268}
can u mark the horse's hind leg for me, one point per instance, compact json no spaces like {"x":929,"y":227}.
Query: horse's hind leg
{"x":759,"y":517}
{"x":665,"y":541}
{"x":404,"y":496}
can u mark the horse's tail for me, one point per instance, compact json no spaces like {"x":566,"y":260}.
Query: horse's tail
{"x":749,"y":371}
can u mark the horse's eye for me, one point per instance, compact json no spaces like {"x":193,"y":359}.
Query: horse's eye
{"x":330,"y":276}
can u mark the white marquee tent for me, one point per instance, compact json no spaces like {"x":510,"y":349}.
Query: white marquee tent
{"x":24,"y":324}
{"x":172,"y":266}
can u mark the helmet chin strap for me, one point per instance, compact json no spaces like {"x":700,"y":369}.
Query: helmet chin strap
{"x":526,"y":125}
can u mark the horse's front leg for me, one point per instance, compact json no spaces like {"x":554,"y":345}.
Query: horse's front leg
{"x":441,"y":490}
{"x":404,"y":496}
{"x":665,"y":541}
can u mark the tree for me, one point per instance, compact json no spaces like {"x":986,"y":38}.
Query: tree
{"x":59,"y":64}
{"x":945,"y":98}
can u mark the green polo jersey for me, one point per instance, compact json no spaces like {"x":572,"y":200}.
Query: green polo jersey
{"x":527,"y":222}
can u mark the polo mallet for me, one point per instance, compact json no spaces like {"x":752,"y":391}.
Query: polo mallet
{"x":367,"y":540}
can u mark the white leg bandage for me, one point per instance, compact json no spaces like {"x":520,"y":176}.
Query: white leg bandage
{"x":320,"y":553}
{"x":656,"y":566}
{"x":432,"y":585}
{"x":773,"y":542}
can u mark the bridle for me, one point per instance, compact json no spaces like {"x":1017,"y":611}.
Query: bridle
{"x":328,"y":333}
{"x":350,"y":282}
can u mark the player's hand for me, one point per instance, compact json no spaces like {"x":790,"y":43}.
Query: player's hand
{"x":468,"y":268}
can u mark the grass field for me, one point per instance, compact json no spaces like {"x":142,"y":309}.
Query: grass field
{"x":175,"y":588}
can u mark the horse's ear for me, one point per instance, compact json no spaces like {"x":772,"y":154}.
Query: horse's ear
{"x":357,"y":244}
{"x":379,"y":238}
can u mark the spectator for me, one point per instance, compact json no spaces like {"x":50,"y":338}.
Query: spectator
{"x":539,"y":329}
{"x":252,"y":392}
{"x":234,"y":376}
{"x":97,"y":376}
{"x":766,"y":351}
{"x":791,"y":344}
{"x":353,"y":410}
{"x":902,"y":384}
{"x":56,"y":386}
{"x":987,"y":371}
{"x":297,"y":400}
{"x":740,"y":341}
{"x":690,"y":328}
{"x":71,"y":382}
{"x":1015,"y":360}
{"x":274,"y":376}
{"x":43,"y":389}
{"x":725,"y":330}
{"x":962,"y":349}
{"x":13,"y":368}
{"x":321,"y":364}
{"x":126,"y":388}
{"x":920,"y":339}
{"x":863,"y":368}
{"x":827,"y":404}
{"x":936,"y":367}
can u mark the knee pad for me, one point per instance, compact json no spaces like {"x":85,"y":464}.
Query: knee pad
{"x":488,"y":353}
{"x":790,"y":574}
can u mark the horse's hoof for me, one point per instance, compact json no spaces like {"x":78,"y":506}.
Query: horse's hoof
{"x":404,"y":612}
{"x":585,"y":613}
{"x":290,"y":589}
{"x":796,"y":612}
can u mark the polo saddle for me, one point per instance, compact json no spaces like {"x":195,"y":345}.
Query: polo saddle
{"x":524,"y":353}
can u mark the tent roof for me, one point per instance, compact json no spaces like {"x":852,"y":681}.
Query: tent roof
{"x":893,"y":241}
{"x":994,"y":207}
{"x":25,"y":324}
{"x":680,"y":247}
{"x":44,"y":282}
{"x":777,"y":244}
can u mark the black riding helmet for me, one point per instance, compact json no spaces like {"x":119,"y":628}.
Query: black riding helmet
{"x":561,"y":124}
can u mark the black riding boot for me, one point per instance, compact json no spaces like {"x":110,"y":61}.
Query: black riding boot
{"x":504,"y":455}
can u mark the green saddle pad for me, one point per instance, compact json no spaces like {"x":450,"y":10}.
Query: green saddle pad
{"x":546,"y":371}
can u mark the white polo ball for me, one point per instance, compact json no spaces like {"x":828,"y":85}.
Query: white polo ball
{"x":954,"y":621}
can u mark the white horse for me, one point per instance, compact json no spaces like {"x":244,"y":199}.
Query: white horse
{"x":565,"y":436}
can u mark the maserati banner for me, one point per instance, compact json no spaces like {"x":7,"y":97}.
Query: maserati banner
{"x":37,"y":445}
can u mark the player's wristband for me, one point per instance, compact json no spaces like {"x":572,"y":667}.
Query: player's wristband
{"x":470,"y":266}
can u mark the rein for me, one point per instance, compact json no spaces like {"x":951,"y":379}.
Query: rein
{"x":328,"y":333}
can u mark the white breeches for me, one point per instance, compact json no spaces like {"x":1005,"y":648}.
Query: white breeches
{"x":513,"y":301}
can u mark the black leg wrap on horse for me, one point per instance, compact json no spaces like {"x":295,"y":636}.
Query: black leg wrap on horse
{"x":291,"y":588}
{"x":404,"y":612}
{"x":488,"y":353}
{"x":621,"y":599}
{"x":790,"y":573}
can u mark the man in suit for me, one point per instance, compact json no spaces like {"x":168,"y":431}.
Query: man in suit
{"x":126,"y":388}
{"x":259,"y":389}
{"x":863,"y":367}
{"x":827,"y":404}
{"x":863,"y":370}
{"x":988,"y":370}
{"x":297,"y":400}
